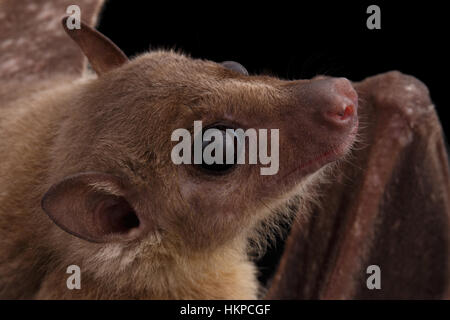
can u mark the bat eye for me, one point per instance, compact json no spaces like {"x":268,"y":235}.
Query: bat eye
{"x":217,"y":144}
{"x":232,"y":65}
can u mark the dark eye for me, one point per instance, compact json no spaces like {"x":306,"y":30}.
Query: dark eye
{"x":219,"y":151}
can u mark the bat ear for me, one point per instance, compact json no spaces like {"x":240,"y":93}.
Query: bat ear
{"x":92,"y":206}
{"x":101,"y":52}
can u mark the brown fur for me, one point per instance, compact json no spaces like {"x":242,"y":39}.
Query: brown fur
{"x":193,"y":239}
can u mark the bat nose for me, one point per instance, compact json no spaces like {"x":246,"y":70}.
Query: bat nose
{"x":341,"y":112}
{"x":340,"y":102}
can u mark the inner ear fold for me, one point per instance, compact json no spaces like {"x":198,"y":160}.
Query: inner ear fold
{"x":101,"y":52}
{"x":92,"y":206}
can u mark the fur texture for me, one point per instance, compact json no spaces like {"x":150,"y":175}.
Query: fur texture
{"x":111,"y":135}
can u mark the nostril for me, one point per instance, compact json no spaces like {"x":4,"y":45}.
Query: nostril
{"x":347,"y":113}
{"x":340,"y":114}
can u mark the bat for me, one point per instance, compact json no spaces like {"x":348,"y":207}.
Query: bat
{"x":107,"y":151}
{"x":94,"y":184}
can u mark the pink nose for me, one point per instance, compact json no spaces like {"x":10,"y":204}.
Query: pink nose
{"x":341,"y":113}
{"x":339,"y":102}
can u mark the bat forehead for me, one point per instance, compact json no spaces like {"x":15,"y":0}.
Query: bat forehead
{"x":174,"y":81}
{"x":198,"y":75}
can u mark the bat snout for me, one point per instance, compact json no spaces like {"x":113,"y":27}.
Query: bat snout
{"x":339,"y":108}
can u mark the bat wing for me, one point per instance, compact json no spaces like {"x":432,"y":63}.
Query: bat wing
{"x":33,"y":44}
{"x":389,"y":206}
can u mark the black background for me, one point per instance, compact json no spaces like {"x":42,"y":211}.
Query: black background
{"x":293,"y":40}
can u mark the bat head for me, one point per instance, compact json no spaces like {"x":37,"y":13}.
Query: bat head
{"x":117,"y":175}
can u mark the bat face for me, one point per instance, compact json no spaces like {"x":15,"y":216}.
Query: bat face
{"x":113,"y":161}
{"x":117,"y":148}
